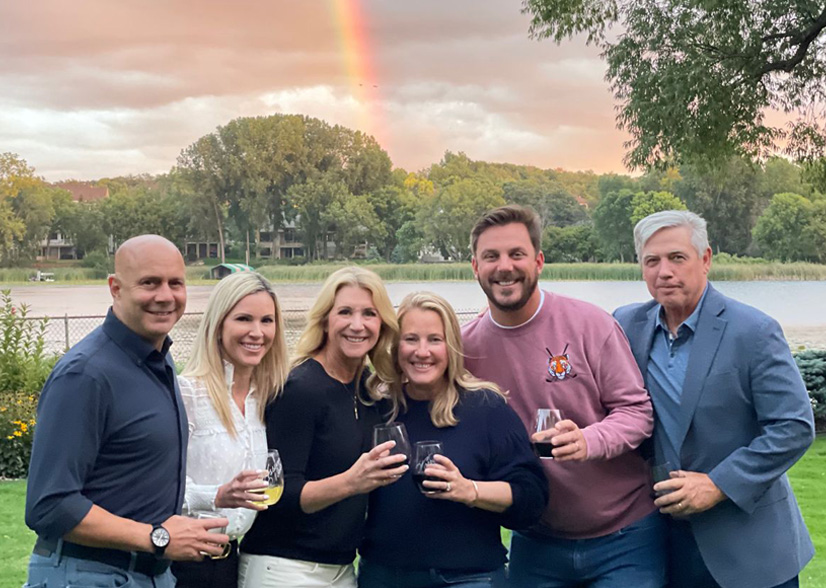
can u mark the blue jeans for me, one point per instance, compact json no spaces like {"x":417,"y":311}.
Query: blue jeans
{"x":633,"y":557}
{"x":686,"y":568}
{"x":57,"y":571}
{"x":377,"y":576}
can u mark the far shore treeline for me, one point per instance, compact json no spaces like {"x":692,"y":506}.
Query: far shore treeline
{"x":335,"y":193}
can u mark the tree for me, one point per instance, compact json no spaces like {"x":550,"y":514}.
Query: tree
{"x":26,"y":209}
{"x":319,"y":202}
{"x":555,"y":205}
{"x":694,"y":78}
{"x":778,"y":230}
{"x":570,"y":244}
{"x":728,"y":198}
{"x":612,"y":222}
{"x":645,"y":203}
{"x":447,"y":219}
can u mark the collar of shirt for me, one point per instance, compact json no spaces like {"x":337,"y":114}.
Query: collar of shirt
{"x":690,"y":323}
{"x":133,"y":344}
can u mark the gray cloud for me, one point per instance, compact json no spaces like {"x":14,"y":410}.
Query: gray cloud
{"x":103,"y":88}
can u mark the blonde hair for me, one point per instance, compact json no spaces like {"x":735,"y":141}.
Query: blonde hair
{"x":456,"y":376}
{"x":314,"y":337}
{"x":206,"y":363}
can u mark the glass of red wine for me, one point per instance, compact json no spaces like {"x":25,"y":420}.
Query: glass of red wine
{"x":393,"y":432}
{"x":546,"y":418}
{"x":423,"y":457}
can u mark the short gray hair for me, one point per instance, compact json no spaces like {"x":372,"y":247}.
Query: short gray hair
{"x":667,"y":219}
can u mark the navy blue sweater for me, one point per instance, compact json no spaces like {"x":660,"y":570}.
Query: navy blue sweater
{"x":408,"y":530}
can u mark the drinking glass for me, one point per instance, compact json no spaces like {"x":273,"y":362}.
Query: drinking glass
{"x":393,"y":432}
{"x":221,"y":530}
{"x":274,"y":478}
{"x":424,"y":454}
{"x":660,"y":473}
{"x":546,"y":418}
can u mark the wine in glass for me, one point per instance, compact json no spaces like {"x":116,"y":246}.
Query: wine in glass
{"x":424,"y":456}
{"x":660,"y":473}
{"x":546,"y":418}
{"x":274,"y":478}
{"x":393,"y":432}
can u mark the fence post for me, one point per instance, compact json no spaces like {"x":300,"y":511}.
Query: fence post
{"x":66,"y":329}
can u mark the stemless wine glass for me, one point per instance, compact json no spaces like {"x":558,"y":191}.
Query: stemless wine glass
{"x":393,"y":432}
{"x":660,"y":473}
{"x":215,"y":515}
{"x":424,"y":454}
{"x":274,"y":478}
{"x":546,"y":418}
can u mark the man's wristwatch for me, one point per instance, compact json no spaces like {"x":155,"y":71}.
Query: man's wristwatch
{"x":160,"y":539}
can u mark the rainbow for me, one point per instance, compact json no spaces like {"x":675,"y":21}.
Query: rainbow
{"x":354,"y":45}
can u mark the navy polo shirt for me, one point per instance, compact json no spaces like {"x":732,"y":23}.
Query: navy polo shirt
{"x":111,"y":431}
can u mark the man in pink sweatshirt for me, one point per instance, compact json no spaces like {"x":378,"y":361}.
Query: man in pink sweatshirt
{"x":601,"y":528}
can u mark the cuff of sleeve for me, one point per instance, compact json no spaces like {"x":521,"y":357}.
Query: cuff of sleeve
{"x":593,"y":442}
{"x":200,"y":498}
{"x":745,"y":501}
{"x":69,"y":515}
{"x":291,"y":500}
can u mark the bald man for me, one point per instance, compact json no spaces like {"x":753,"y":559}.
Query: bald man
{"x":106,"y":478}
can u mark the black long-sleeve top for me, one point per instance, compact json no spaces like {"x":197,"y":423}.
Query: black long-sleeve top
{"x":314,"y":428}
{"x":406,"y":529}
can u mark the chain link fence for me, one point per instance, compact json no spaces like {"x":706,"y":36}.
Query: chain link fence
{"x":63,"y":332}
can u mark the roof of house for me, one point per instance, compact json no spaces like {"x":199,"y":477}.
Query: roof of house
{"x":84,"y":191}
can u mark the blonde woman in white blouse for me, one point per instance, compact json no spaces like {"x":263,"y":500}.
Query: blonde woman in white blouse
{"x":238,"y":365}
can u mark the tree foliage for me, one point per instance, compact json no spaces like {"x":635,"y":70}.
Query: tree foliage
{"x":792,"y":228}
{"x":693,"y":78}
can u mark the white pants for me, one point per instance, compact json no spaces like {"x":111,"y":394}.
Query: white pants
{"x":266,"y":571}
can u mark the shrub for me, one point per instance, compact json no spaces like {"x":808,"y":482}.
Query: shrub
{"x":812,"y":365}
{"x":24,"y":367}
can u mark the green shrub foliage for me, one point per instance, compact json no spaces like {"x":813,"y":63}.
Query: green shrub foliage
{"x":812,"y":365}
{"x":24,"y":367}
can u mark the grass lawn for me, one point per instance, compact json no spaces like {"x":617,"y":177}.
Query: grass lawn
{"x":808,"y":478}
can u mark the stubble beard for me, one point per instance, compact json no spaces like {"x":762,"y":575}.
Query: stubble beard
{"x":528,"y":288}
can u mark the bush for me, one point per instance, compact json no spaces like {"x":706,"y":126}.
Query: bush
{"x":812,"y":365}
{"x":24,"y":367}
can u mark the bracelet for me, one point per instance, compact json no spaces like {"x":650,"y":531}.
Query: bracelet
{"x":472,"y":503}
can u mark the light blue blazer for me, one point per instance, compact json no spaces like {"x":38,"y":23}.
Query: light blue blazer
{"x":746,"y":419}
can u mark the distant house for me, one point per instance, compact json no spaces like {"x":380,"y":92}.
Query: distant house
{"x":84,"y":191}
{"x":56,"y":245}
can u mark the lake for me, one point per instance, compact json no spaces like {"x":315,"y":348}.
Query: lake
{"x":799,"y":304}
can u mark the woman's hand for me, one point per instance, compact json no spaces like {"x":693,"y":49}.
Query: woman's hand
{"x":240,"y":491}
{"x":376,"y":468}
{"x":452,"y":485}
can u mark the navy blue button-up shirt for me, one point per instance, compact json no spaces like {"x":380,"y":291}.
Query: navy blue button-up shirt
{"x":667,"y":364}
{"x":111,"y":431}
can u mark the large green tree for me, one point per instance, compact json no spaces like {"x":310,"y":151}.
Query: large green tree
{"x":786,"y":229}
{"x":694,"y":78}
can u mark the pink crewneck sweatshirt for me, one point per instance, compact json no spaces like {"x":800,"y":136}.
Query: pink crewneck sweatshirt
{"x":574,"y":356}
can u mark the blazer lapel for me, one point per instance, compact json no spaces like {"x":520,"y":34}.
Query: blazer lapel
{"x":710,"y":328}
{"x":641,"y":346}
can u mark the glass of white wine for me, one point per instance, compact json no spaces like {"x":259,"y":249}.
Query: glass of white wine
{"x":274,"y":478}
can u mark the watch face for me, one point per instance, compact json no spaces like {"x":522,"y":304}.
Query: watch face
{"x":160,"y":537}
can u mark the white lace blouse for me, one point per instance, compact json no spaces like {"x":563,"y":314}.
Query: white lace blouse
{"x":213,"y":456}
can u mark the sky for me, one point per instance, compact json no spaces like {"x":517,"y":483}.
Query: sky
{"x":101,"y":88}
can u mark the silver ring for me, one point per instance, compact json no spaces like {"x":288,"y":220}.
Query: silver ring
{"x":447,"y":489}
{"x":680,"y":505}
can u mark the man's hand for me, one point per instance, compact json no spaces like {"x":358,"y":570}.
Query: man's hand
{"x":190,"y":539}
{"x":567,"y":439}
{"x":687,"y":493}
